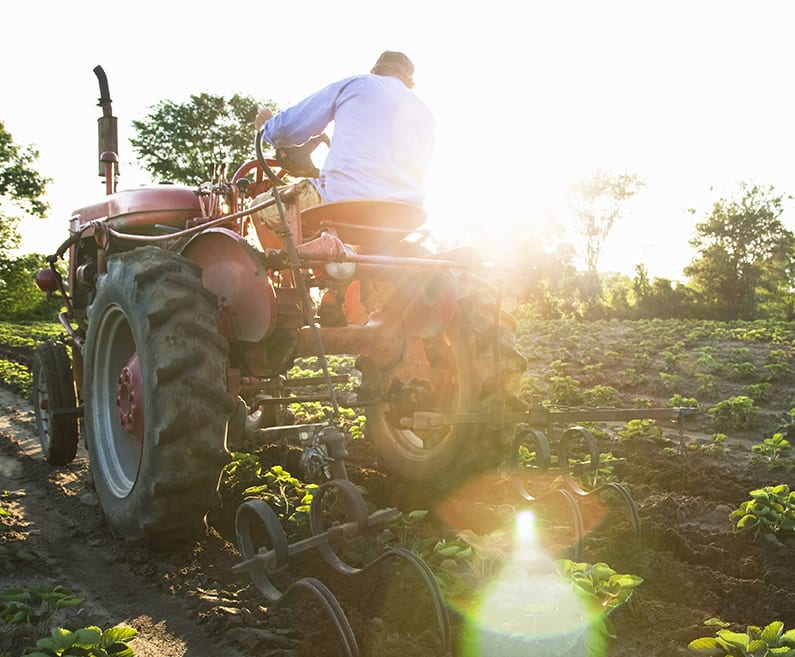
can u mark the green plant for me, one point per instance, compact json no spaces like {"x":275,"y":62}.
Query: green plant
{"x":242,"y":470}
{"x":599,"y":580}
{"x":601,"y":396}
{"x":777,"y":370}
{"x":771,"y":450}
{"x":86,"y":642}
{"x":16,"y":376}
{"x":34,"y":607}
{"x":768,"y":513}
{"x":741,"y":371}
{"x":755,"y":642}
{"x":470,"y":561}
{"x":564,"y":390}
{"x":641,"y":429}
{"x":679,"y":401}
{"x":670,"y":382}
{"x":738,"y":412}
{"x":716,"y":444}
{"x":707,"y":383}
{"x":758,"y":391}
{"x":289,"y":495}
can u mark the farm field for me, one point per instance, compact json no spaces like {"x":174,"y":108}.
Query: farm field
{"x":685,"y":484}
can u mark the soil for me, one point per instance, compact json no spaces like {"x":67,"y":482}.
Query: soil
{"x":684,"y":487}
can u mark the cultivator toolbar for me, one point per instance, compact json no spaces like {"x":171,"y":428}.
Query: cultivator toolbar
{"x":267,"y":553}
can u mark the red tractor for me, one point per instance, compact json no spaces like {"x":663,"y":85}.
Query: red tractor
{"x":184,"y":315}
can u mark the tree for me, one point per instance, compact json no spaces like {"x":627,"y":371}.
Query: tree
{"x":743,"y":248}
{"x":19,"y":182}
{"x":596,"y":204}
{"x":190,"y":142}
{"x":21,"y":191}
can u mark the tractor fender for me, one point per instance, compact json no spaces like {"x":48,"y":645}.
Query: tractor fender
{"x":233,"y":271}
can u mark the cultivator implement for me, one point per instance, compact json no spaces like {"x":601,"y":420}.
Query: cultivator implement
{"x":266,"y":552}
{"x":531,"y":437}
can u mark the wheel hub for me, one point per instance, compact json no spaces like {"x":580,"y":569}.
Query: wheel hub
{"x":129,"y":399}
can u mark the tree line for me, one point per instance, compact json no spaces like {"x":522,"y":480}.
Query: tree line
{"x":742,"y":268}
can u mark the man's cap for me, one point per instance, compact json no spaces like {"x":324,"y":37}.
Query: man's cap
{"x":392,"y":62}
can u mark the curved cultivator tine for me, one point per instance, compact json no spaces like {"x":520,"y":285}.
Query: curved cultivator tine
{"x":533,"y":441}
{"x":338,"y":514}
{"x":333,"y":609}
{"x":256,"y":517}
{"x":428,"y":578}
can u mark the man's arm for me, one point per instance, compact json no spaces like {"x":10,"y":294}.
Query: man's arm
{"x":306,"y":119}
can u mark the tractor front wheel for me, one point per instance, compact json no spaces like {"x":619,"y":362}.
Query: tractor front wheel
{"x":156,"y":404}
{"x":54,"y":403}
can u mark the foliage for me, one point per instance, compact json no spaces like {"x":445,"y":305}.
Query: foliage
{"x":601,"y":396}
{"x":21,"y":191}
{"x":770,"y":512}
{"x":737,"y":412}
{"x":16,"y":376}
{"x":609,"y":588}
{"x":680,"y":401}
{"x":86,"y":642}
{"x":20,"y":297}
{"x":641,"y":429}
{"x":19,"y":182}
{"x":190,"y":142}
{"x":470,"y":561}
{"x":754,"y":642}
{"x":564,"y":390}
{"x":771,"y":450}
{"x":743,"y":247}
{"x":34,"y":607}
{"x":596,"y":203}
{"x":290,"y":497}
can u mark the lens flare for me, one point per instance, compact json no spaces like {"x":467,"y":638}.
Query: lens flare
{"x":528,"y":609}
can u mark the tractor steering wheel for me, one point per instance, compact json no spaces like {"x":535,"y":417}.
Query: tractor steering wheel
{"x":263,"y":163}
{"x":296,"y":160}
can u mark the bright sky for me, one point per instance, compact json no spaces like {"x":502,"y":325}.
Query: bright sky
{"x":689,"y":95}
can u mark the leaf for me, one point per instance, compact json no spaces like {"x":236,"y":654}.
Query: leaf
{"x":716,"y":622}
{"x":781,"y":651}
{"x":788,"y":638}
{"x":706,"y":646}
{"x":88,"y":636}
{"x":747,"y":522}
{"x":772,"y":633}
{"x":735,"y":638}
{"x":120,"y":633}
{"x":62,"y":638}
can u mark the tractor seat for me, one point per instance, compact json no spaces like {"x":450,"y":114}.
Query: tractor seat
{"x":363,"y":221}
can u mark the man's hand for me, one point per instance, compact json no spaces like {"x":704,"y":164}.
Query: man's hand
{"x":263,"y":115}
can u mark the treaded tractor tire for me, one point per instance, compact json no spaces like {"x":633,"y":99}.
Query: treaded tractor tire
{"x":464,"y":365}
{"x":53,"y":399}
{"x":157,"y":480}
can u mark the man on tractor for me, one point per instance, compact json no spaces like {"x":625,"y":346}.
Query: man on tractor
{"x":382,"y":138}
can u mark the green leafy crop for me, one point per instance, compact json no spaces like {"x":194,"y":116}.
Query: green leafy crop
{"x":769,"y":513}
{"x":755,"y":642}
{"x":86,"y":642}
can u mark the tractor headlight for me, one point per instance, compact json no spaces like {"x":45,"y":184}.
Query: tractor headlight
{"x":341,"y":271}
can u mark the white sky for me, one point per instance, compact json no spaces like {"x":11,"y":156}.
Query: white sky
{"x":689,"y":95}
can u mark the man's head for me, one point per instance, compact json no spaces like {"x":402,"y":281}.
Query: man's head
{"x":395,"y":64}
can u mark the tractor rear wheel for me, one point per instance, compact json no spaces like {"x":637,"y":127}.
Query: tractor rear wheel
{"x":474,"y":369}
{"x":54,"y":403}
{"x":156,"y":404}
